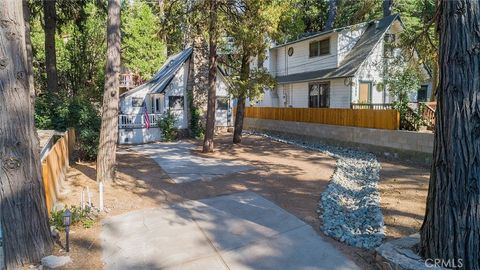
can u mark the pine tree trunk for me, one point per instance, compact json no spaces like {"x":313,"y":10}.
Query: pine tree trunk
{"x":212,"y":78}
{"x":50,"y":17}
{"x":106,"y":158}
{"x":451,"y":228}
{"x":434,"y":79}
{"x":23,"y":212}
{"x":332,"y":15}
{"x":387,"y":7}
{"x":244,"y":75}
{"x":29,"y":50}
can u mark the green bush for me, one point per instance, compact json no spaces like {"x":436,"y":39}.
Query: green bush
{"x":410,"y":119}
{"x":84,"y":216}
{"x":53,"y":112}
{"x":167,"y":126}
{"x":197,"y":130}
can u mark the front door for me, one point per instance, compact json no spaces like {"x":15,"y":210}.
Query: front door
{"x":365,"y":95}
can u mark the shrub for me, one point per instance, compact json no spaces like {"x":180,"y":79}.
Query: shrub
{"x":167,"y":126}
{"x":196,"y":128}
{"x":85,"y":216}
{"x":53,"y":112}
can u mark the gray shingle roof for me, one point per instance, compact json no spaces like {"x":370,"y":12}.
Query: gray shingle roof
{"x":164,"y":76}
{"x":354,"y":59}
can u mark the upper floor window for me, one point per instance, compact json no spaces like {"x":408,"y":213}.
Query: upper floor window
{"x":175,"y":102}
{"x":319,"y":47}
{"x":389,"y":45}
{"x":137,"y":102}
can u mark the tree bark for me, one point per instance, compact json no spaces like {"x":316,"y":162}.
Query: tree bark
{"x":244,"y":76}
{"x":29,"y":50}
{"x":332,"y":15}
{"x":434,"y":79}
{"x":387,"y":8}
{"x":106,"y":158}
{"x":50,"y":17}
{"x":451,"y":228}
{"x":212,"y":79}
{"x":23,"y":212}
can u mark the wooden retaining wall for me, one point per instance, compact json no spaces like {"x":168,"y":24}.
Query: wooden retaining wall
{"x":54,"y":167}
{"x":366,"y":118}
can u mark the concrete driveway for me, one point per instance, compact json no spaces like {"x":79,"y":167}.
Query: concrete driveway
{"x":178,"y":161}
{"x":238,"y":231}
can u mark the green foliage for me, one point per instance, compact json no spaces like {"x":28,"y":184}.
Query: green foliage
{"x":167,"y":126}
{"x":401,"y":82}
{"x":174,"y":23}
{"x":250,"y":31}
{"x":60,"y":113}
{"x":196,"y":128}
{"x":352,"y":12}
{"x":143,"y":50}
{"x":253,"y":87}
{"x":78,"y":215}
{"x":301,"y":16}
{"x":410,"y":119}
{"x":419,"y":35}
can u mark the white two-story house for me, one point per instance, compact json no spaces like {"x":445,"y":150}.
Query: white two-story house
{"x":339,"y":68}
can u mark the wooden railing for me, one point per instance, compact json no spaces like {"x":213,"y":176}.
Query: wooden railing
{"x":428,"y":114}
{"x":137,"y":120}
{"x":54,"y":167}
{"x":367,"y":118}
{"x":374,"y":106}
{"x":129,"y":80}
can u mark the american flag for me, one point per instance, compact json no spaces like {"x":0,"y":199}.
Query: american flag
{"x":145,"y":116}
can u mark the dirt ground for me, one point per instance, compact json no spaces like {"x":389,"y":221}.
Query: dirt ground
{"x":403,"y":188}
{"x":291,"y":177}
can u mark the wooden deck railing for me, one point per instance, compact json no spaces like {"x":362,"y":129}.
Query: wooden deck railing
{"x":374,"y":106}
{"x":366,"y":118}
{"x":428,"y":114}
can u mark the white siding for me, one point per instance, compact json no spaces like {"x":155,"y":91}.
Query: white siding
{"x":223,"y":118}
{"x":347,"y":39}
{"x":371,"y":71}
{"x":296,"y":95}
{"x":177,"y":87}
{"x":126,"y":102}
{"x":300,"y":61}
{"x":339,"y":94}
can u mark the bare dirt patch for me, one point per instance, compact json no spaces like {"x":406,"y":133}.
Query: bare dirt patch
{"x":291,"y":177}
{"x":403,"y":187}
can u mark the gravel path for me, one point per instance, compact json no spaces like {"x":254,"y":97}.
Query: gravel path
{"x":350,"y":207}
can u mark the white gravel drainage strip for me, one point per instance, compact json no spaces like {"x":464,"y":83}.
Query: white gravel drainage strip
{"x":350,"y":206}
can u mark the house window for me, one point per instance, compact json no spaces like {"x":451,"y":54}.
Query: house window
{"x":422,"y":93}
{"x":222,"y":103}
{"x":320,"y":47}
{"x":389,"y":45}
{"x":319,"y":95}
{"x":137,"y":102}
{"x":175,"y":102}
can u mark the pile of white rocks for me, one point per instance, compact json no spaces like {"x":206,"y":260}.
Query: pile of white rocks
{"x":350,"y":206}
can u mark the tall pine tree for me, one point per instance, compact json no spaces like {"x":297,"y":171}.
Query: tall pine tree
{"x":451,"y":228}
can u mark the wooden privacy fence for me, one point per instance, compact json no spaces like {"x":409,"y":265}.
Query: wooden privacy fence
{"x":54,"y":167}
{"x":366,"y":118}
